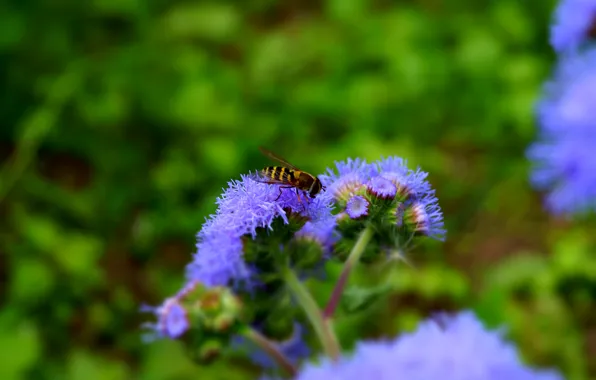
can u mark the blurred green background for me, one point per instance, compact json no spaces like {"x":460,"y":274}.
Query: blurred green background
{"x":123,"y":119}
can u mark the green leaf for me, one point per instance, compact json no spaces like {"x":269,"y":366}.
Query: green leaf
{"x":356,"y":298}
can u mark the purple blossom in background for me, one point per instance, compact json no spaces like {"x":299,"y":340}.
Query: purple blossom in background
{"x":574,"y":23}
{"x":463,"y":350}
{"x":563,"y":154}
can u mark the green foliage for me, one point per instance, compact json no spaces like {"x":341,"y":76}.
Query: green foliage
{"x":122,"y":120}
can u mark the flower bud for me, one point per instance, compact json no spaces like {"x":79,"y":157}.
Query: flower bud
{"x":424,"y":219}
{"x":357,"y":207}
{"x":381,"y":188}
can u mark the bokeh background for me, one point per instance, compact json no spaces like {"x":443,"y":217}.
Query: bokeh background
{"x":121,"y":121}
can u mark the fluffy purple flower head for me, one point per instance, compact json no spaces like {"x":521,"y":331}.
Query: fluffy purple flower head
{"x":409,"y":183}
{"x":574,"y":24}
{"x":427,"y":218}
{"x":357,"y":207}
{"x":417,"y":195}
{"x":218,"y":260}
{"x":381,"y":188}
{"x":245,"y":206}
{"x":462,"y":350}
{"x":350,"y":179}
{"x":563,"y":154}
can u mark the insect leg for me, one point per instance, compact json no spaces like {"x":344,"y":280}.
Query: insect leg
{"x":298,"y":195}
{"x":280,"y":188}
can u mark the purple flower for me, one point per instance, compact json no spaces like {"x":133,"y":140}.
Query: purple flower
{"x":462,"y":350}
{"x":218,"y":260}
{"x":391,"y":180}
{"x":172,"y":319}
{"x":357,"y":207}
{"x":381,"y":188}
{"x":243,"y":208}
{"x":427,"y":219}
{"x":418,"y":197}
{"x":563,"y":154}
{"x":247,"y":205}
{"x":574,"y":23}
{"x":409,"y":183}
{"x":350,"y":179}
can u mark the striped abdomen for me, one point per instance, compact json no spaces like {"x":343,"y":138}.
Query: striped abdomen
{"x":281,"y":174}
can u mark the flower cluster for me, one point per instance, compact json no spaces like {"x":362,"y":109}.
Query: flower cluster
{"x":562,"y":155}
{"x":462,"y":349}
{"x":386,"y":191}
{"x":396,"y":202}
{"x":574,"y":25}
{"x":254,"y":251}
{"x":257,"y":230}
{"x":245,"y":209}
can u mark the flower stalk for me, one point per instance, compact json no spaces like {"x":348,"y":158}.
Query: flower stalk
{"x":352,"y":260}
{"x":270,"y":348}
{"x":323,"y":330}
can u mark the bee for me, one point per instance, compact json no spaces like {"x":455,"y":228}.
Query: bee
{"x":289,"y":177}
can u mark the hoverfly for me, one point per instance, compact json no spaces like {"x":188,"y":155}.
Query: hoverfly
{"x":289,"y":177}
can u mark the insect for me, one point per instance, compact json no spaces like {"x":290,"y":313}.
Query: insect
{"x":289,"y":177}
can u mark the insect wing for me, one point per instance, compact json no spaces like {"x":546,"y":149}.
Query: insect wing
{"x":277,"y":158}
{"x":261,"y":177}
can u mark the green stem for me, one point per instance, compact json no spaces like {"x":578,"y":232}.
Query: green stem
{"x":352,"y":260}
{"x":313,"y":313}
{"x":271,"y":349}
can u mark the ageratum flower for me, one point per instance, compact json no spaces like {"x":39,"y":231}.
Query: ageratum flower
{"x":349,"y":179}
{"x":357,"y":207}
{"x":243,"y":208}
{"x":563,"y":154}
{"x":417,"y":198}
{"x":462,"y":350}
{"x":172,"y":320}
{"x":381,"y":188}
{"x":244,"y":222}
{"x":574,"y":24}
